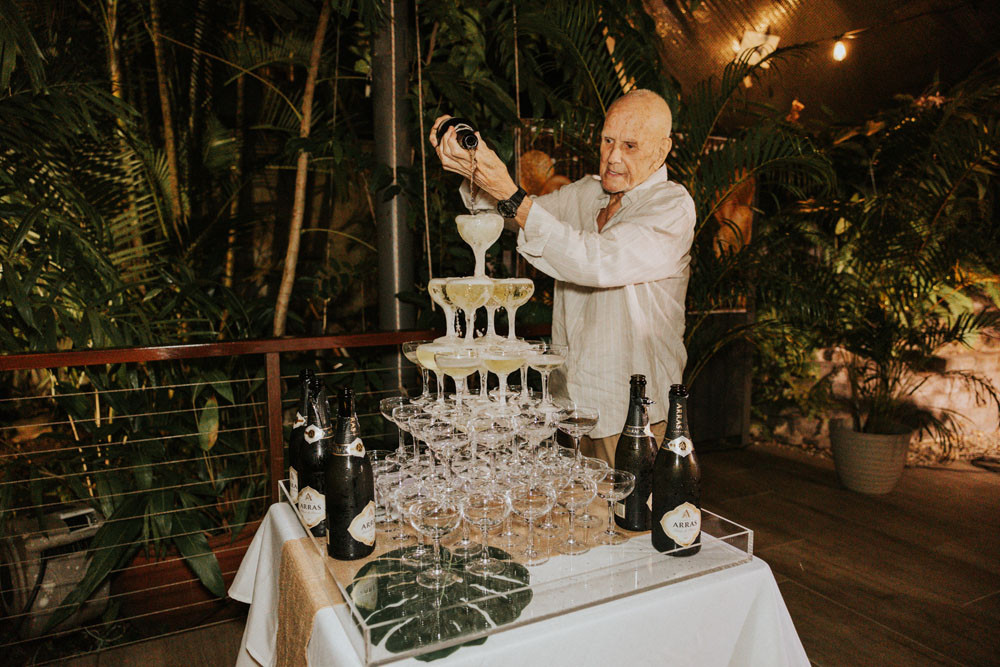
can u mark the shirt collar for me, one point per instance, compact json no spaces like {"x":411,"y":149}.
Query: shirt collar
{"x":657,"y":177}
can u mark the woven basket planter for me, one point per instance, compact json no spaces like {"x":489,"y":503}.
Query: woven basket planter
{"x":868,"y":462}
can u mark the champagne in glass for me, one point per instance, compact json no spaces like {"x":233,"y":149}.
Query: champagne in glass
{"x":436,"y":290}
{"x":480,"y":230}
{"x":519,"y":292}
{"x":425,"y":357}
{"x":502,"y":361}
{"x":458,"y":365}
{"x":469,"y":294}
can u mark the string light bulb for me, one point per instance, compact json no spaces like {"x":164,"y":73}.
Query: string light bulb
{"x":839,"y":50}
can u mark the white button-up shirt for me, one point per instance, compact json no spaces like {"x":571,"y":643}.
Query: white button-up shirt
{"x":619,"y":293}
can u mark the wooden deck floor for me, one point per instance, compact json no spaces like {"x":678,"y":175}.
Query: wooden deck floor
{"x":910,"y":578}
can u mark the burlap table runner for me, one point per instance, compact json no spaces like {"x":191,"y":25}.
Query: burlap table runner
{"x":304,"y":587}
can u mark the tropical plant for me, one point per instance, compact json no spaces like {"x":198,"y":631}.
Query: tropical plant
{"x":903,"y":259}
{"x":724,"y":146}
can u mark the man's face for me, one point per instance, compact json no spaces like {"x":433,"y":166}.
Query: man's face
{"x":633,"y":146}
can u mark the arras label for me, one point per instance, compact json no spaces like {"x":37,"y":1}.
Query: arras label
{"x":365,"y":592}
{"x":299,"y":420}
{"x":362,"y":528}
{"x":354,"y":448}
{"x":620,"y":510}
{"x":293,"y":483}
{"x":638,"y":431}
{"x":313,"y":433}
{"x":682,"y":524}
{"x":681,"y":446}
{"x":312,"y":506}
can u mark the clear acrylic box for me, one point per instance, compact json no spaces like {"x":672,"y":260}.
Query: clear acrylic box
{"x":562,"y":585}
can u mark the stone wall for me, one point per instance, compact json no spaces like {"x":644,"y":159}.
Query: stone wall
{"x":976,"y":414}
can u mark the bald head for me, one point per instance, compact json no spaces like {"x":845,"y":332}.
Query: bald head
{"x":635,"y":140}
{"x":649,"y":104}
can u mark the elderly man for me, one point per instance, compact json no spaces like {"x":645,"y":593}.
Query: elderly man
{"x":618,"y":248}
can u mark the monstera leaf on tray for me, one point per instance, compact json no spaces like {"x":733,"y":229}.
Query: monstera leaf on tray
{"x":385,"y":590}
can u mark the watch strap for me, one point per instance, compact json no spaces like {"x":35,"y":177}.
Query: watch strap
{"x":508,"y":207}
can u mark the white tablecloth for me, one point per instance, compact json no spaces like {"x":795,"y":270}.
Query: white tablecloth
{"x":732,"y":617}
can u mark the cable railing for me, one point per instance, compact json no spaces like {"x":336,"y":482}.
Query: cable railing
{"x":134,"y":479}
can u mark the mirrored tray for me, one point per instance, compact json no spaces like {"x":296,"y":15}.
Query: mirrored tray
{"x":388,"y":617}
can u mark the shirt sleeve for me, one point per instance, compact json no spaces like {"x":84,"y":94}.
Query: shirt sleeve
{"x":650,"y":243}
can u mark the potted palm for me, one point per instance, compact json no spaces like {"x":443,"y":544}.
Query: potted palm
{"x":902,"y":264}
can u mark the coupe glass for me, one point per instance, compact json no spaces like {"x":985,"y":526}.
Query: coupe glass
{"x":436,"y":290}
{"x":531,"y":501}
{"x":444,"y":447}
{"x":596,"y":469}
{"x":615,"y":485}
{"x":383,"y":462}
{"x":578,"y":493}
{"x":386,"y":407}
{"x":537,"y":429}
{"x":437,"y":429}
{"x":426,"y":354}
{"x":410,"y":352}
{"x":435,"y":517}
{"x":410,"y":491}
{"x":469,"y":294}
{"x":417,"y":425}
{"x":464,"y":546}
{"x":486,"y":506}
{"x":480,"y":230}
{"x":401,"y":416}
{"x":458,"y":365}
{"x":386,"y":485}
{"x":578,"y":422}
{"x":502,"y":361}
{"x":520,"y":291}
{"x":545,"y":360}
{"x":495,"y":302}
{"x":557,"y":475}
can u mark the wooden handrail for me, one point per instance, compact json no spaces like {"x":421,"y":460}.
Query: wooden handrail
{"x":124,"y":355}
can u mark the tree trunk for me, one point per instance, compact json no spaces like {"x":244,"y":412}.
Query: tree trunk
{"x":170,"y":141}
{"x":301,"y":179}
{"x":229,"y":267}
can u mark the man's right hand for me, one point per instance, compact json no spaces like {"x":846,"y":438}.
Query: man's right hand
{"x":453,"y":157}
{"x":483,"y":166}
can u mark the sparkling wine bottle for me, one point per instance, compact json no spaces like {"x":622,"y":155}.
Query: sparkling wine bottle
{"x":350,"y":488}
{"x":314,"y":453}
{"x":676,"y":484}
{"x":635,"y":453}
{"x":464,"y":132}
{"x":306,"y":376}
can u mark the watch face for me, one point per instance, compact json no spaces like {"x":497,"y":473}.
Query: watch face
{"x":508,"y":207}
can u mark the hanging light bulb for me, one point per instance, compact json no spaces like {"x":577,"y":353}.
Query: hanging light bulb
{"x":839,"y":50}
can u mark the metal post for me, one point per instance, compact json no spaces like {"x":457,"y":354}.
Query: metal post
{"x":390,"y":68}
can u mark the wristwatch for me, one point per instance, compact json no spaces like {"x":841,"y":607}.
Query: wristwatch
{"x":508,"y":207}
